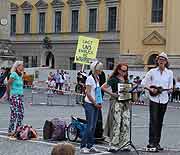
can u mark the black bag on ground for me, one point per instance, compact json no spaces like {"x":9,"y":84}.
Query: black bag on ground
{"x":47,"y":130}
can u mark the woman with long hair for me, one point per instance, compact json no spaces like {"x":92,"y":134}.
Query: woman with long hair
{"x":15,"y":93}
{"x":117,"y":124}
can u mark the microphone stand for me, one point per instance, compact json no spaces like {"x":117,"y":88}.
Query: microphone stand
{"x":130,"y":143}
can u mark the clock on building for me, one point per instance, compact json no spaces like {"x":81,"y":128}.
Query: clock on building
{"x":3,"y":21}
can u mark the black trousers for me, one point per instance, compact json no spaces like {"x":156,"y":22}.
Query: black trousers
{"x":157,"y":112}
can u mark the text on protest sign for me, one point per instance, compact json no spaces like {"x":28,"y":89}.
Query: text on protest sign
{"x":86,"y":50}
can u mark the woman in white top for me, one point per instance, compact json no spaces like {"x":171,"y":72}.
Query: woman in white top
{"x":91,"y":107}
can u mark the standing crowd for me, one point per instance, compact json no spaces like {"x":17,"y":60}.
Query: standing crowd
{"x":59,"y":80}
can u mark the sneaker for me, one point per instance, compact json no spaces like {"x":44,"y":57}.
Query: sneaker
{"x":113,"y":149}
{"x":151,"y":148}
{"x":159,"y":148}
{"x":84,"y":150}
{"x":125,"y":149}
{"x":94,"y":150}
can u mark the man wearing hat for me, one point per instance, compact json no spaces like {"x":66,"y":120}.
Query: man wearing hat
{"x":160,"y":77}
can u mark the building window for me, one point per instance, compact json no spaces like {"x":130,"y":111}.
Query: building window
{"x":58,"y":21}
{"x":112,"y":19}
{"x":72,"y":64}
{"x":34,"y":61}
{"x":41,"y":22}
{"x":74,"y":24}
{"x":92,"y":20}
{"x":26,"y":61}
{"x":26,"y":23}
{"x":13,"y":24}
{"x":157,"y":11}
{"x":110,"y":63}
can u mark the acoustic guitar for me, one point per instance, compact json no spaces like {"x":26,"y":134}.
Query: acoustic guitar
{"x":158,"y":88}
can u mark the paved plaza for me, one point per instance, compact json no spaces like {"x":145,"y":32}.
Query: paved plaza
{"x":36,"y":114}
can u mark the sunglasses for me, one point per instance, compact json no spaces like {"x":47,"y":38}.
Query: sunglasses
{"x":162,"y":59}
{"x":123,"y":70}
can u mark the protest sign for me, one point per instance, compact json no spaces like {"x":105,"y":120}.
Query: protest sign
{"x":86,"y":50}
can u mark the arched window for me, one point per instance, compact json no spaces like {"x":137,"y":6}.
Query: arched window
{"x":50,"y":60}
{"x":152,"y":59}
{"x":157,"y":11}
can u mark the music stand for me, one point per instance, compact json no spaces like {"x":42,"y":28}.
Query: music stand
{"x":130,"y":125}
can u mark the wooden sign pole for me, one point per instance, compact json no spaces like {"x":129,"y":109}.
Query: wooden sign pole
{"x":83,"y":67}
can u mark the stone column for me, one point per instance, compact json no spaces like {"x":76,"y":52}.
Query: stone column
{"x":7,"y":57}
{"x":4,"y":19}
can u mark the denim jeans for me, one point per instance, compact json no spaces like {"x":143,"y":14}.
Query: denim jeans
{"x":91,"y":113}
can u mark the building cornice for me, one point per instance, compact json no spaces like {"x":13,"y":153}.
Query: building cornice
{"x":57,"y":3}
{"x":26,"y":5}
{"x":41,"y":4}
{"x":112,"y":1}
{"x":14,"y":6}
{"x":74,"y":3}
{"x":92,"y":2}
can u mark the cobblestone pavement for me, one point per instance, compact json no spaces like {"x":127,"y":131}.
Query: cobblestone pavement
{"x":37,"y":114}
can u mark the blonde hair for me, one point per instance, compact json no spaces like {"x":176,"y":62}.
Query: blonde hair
{"x":15,"y":65}
{"x":63,"y":149}
{"x":96,"y":65}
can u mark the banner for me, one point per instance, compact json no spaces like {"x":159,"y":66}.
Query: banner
{"x":86,"y":50}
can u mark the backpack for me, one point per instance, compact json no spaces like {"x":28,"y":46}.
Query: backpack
{"x":25,"y":132}
{"x":54,"y":129}
{"x":47,"y":130}
{"x":79,"y":88}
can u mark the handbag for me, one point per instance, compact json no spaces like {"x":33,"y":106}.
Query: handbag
{"x":98,"y":95}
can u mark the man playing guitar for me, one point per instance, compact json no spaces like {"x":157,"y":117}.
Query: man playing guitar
{"x":158,"y":81}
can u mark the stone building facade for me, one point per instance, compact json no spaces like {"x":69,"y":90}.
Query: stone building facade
{"x":62,"y":22}
{"x":148,"y":27}
{"x":130,"y":31}
{"x":7,"y":56}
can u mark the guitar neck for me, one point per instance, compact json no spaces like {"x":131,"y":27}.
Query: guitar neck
{"x":157,"y":88}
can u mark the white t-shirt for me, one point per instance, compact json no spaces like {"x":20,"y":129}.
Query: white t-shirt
{"x":91,"y":82}
{"x":61,"y":78}
{"x":66,"y":78}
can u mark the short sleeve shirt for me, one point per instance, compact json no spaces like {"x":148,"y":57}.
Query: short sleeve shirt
{"x":91,"y":82}
{"x":113,"y":83}
{"x":17,"y":84}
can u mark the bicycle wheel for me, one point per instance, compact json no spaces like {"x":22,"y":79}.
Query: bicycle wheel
{"x":72,"y":133}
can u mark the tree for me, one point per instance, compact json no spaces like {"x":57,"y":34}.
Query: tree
{"x":47,"y":43}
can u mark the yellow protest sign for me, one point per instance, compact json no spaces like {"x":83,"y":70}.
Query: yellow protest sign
{"x":86,"y":50}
